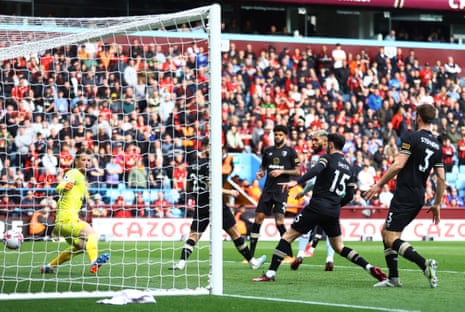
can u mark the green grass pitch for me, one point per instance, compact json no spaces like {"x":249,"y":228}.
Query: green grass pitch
{"x":347,"y":288}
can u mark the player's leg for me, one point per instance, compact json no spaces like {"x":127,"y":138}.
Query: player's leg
{"x":407,"y":251}
{"x":317,"y":235}
{"x":302,"y":224}
{"x":89,"y":242}
{"x":399,"y":219}
{"x":65,"y":231}
{"x":230,"y":227}
{"x":259,"y":217}
{"x":391,"y":257}
{"x":241,"y":246}
{"x":329,"y":265}
{"x":333,"y":230}
{"x":282,"y":250}
{"x":302,"y":244}
{"x":279,"y":214}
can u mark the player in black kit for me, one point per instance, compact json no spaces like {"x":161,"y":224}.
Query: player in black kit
{"x":279,"y":162}
{"x":199,"y":187}
{"x":334,"y":187}
{"x":420,"y":152}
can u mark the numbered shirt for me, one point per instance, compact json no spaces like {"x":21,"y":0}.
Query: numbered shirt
{"x":425,"y":153}
{"x":331,"y":184}
{"x":198,"y":179}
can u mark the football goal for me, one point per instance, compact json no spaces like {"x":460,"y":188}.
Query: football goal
{"x":139,"y":91}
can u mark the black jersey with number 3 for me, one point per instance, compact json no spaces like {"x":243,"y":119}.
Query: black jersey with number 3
{"x":331,"y":184}
{"x":425,"y":153}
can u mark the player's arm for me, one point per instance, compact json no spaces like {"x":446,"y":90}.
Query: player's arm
{"x":230,"y":192}
{"x":309,"y":186}
{"x":440,"y":188}
{"x":313,"y":172}
{"x":66,"y":184}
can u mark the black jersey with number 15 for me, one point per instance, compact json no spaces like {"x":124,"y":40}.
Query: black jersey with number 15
{"x":331,"y":184}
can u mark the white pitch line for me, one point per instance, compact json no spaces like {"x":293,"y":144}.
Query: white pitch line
{"x":322,"y":303}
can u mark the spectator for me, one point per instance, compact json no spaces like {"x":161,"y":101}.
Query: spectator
{"x":113,"y":171}
{"x":461,"y":147}
{"x":452,"y":69}
{"x":29,"y":203}
{"x":137,"y":177}
{"x":365,"y":178}
{"x":385,"y":196}
{"x":98,"y":207}
{"x":454,"y":199}
{"x":120,"y":209}
{"x":448,"y":153}
{"x":39,"y":225}
{"x":234,"y":140}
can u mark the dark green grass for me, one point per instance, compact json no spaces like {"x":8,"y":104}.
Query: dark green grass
{"x":347,"y":288}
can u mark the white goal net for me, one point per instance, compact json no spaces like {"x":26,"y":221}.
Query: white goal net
{"x":140,"y":92}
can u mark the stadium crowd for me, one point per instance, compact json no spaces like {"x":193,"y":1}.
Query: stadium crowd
{"x":142,"y":109}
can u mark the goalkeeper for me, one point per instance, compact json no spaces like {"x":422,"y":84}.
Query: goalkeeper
{"x":79,"y":234}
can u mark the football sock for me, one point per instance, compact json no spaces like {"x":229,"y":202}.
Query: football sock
{"x":354,"y":257}
{"x":282,"y":250}
{"x":302,"y":241}
{"x":242,"y":247}
{"x":92,"y":247}
{"x":281,"y":229}
{"x":392,"y":258}
{"x":187,"y":249}
{"x":408,"y":252}
{"x":64,"y":256}
{"x":254,"y":237}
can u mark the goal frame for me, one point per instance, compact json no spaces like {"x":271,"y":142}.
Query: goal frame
{"x":213,"y":33}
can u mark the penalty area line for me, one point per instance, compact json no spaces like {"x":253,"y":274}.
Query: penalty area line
{"x":322,"y":303}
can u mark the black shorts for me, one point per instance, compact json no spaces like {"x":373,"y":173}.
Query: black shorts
{"x":399,"y":216}
{"x":308,"y":219}
{"x":272,"y":202}
{"x":202,"y":219}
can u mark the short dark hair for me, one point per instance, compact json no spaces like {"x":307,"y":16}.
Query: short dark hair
{"x":337,"y":139}
{"x":205,"y":141}
{"x":281,"y":128}
{"x":427,"y":113}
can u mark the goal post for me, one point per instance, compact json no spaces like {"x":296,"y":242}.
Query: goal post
{"x":141,"y":253}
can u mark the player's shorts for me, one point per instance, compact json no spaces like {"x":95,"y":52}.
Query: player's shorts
{"x":201,"y":219}
{"x":308,"y":219}
{"x":70,"y":230}
{"x":228,"y":218}
{"x":272,"y":202}
{"x":399,"y":216}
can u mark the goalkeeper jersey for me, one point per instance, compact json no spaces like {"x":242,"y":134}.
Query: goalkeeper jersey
{"x":70,"y":202}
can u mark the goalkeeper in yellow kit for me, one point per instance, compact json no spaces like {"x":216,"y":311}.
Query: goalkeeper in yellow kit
{"x":78,"y":233}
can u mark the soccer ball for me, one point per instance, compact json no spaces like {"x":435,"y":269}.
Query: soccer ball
{"x":13,"y":239}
